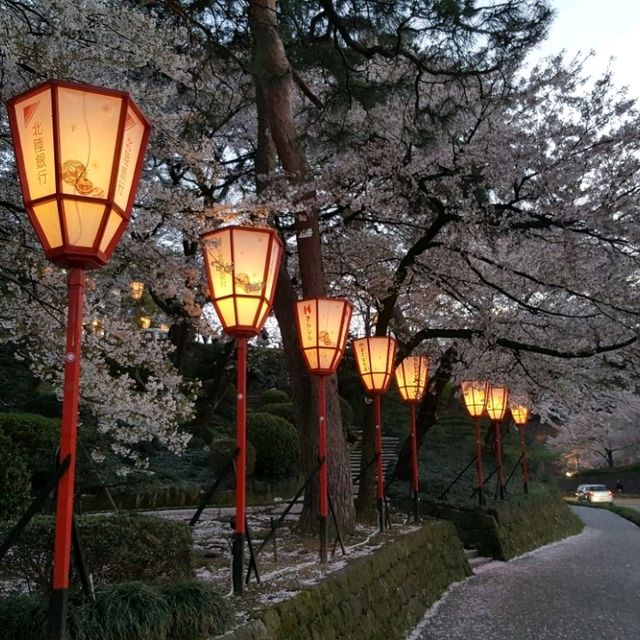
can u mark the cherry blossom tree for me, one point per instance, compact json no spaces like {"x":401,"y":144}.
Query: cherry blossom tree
{"x":482,"y":214}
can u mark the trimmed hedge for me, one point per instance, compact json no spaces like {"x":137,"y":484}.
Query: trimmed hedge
{"x":276,"y":444}
{"x":271,"y":396}
{"x":117,"y":548}
{"x":15,"y":480}
{"x":129,"y":611}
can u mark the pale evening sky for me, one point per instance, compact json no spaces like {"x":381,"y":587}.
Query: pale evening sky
{"x":611,"y":28}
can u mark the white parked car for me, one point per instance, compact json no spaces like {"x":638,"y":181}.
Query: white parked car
{"x":594,"y":493}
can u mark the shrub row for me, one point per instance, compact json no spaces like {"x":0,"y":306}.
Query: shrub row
{"x":117,"y":548}
{"x":130,"y":611}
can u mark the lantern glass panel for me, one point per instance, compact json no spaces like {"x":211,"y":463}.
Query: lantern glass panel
{"x":411,"y":377}
{"x":497,"y":402}
{"x":131,"y":146}
{"x":46,"y":216}
{"x":374,"y":358}
{"x":87,"y":152}
{"x":475,"y":394}
{"x":82,"y":221}
{"x":113,"y":230}
{"x":34,"y":129}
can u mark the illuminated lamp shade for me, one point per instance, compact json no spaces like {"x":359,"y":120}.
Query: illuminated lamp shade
{"x":323,"y":326}
{"x":520,"y":413}
{"x":497,"y":402}
{"x":374,"y":358}
{"x":79,"y":151}
{"x":144,"y":322}
{"x":475,"y":394}
{"x":411,"y":378}
{"x":136,"y":289}
{"x":242,"y":268}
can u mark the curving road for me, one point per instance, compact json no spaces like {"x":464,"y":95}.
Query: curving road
{"x":586,"y":587}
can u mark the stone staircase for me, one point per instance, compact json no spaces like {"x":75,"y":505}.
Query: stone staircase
{"x":389,"y":456}
{"x":475,"y":560}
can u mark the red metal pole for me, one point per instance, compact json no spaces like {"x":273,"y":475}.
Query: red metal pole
{"x":324,"y":479}
{"x":499,"y":459}
{"x":68,"y":443}
{"x":378,"y":449}
{"x":479,"y":461}
{"x":525,"y":466}
{"x":241,"y":463}
{"x":414,"y":461}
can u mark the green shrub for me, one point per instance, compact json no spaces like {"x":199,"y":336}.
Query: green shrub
{"x":117,"y":548}
{"x":129,"y":611}
{"x":272,"y":396}
{"x":281,"y":409}
{"x":36,"y":437}
{"x":15,"y":480}
{"x":223,"y":449}
{"x":276,"y":444}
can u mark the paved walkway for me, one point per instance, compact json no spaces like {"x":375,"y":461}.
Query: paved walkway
{"x":586,"y":587}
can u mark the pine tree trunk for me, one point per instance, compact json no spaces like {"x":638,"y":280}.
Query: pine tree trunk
{"x":277,"y":135}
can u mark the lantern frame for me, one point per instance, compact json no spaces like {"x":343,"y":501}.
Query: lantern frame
{"x":315,"y":363}
{"x":520,"y":413}
{"x":497,"y":402}
{"x":475,"y":394}
{"x":51,"y":223}
{"x":228,"y":298}
{"x":412,"y":380}
{"x":374,"y":356}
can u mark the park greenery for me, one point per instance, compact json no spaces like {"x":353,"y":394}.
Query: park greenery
{"x":479,"y":207}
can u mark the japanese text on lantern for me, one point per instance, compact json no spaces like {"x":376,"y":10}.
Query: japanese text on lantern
{"x":307,"y":322}
{"x":38,"y":148}
{"x":126,"y":159}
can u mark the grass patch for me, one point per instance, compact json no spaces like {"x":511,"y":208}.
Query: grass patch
{"x":128,"y":611}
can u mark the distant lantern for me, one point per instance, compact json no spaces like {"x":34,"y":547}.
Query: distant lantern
{"x":242,"y":265}
{"x":411,"y":378}
{"x":144,"y":322}
{"x":520,"y":414}
{"x":136,"y":289}
{"x":242,"y":268}
{"x":475,"y":394}
{"x":323,"y":326}
{"x":374,"y":358}
{"x":79,"y":151}
{"x":497,"y":402}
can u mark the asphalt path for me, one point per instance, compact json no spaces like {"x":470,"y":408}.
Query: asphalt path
{"x":586,"y":587}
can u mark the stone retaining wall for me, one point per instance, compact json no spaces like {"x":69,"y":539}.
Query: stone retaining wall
{"x":509,"y":529}
{"x":377,"y":597}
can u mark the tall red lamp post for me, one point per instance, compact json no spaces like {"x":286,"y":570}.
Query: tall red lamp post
{"x":242,"y":265}
{"x":79,"y":151}
{"x":374,"y":358}
{"x":520,"y":415}
{"x":411,"y":378}
{"x":323,"y":326}
{"x":475,"y":394}
{"x":496,"y":408}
